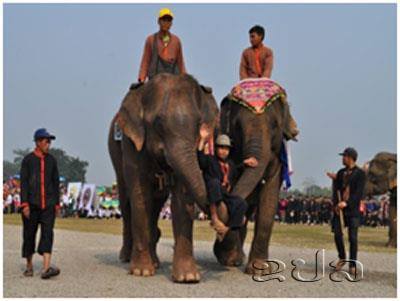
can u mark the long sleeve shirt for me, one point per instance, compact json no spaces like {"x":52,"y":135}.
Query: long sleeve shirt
{"x":212,"y":169}
{"x":39,"y":180}
{"x":170,"y":52}
{"x":356,"y":182}
{"x":256,"y":62}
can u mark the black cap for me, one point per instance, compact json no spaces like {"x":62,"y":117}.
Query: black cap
{"x":350,"y":152}
{"x":42,"y":133}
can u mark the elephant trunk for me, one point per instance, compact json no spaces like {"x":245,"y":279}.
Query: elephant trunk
{"x":253,"y":147}
{"x":184,"y":162}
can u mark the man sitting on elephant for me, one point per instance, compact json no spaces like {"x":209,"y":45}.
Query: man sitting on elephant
{"x":257,"y":60}
{"x":219,"y":174}
{"x":162,"y":51}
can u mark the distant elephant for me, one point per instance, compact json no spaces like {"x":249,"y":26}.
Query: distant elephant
{"x":261,"y":136}
{"x":382,"y":178}
{"x":161,"y":122}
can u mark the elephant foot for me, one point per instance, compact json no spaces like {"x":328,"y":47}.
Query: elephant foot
{"x":142,"y":265}
{"x":125,"y":254}
{"x":184,"y":270}
{"x":258,"y":266}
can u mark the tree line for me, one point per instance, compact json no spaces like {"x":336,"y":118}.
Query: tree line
{"x":71,"y":168}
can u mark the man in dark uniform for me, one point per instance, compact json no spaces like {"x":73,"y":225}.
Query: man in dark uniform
{"x":348,"y":191}
{"x":40,"y":202}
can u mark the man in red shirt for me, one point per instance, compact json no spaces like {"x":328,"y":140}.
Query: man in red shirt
{"x":166,"y":54}
{"x":257,"y":60}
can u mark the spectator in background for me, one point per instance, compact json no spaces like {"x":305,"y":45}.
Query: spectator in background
{"x":283,"y":203}
{"x":16,"y":200}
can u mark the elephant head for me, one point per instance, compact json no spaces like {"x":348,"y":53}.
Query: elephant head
{"x":258,"y":135}
{"x":381,"y":173}
{"x":163,"y":118}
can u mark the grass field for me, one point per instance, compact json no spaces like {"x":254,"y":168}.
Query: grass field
{"x":318,"y":237}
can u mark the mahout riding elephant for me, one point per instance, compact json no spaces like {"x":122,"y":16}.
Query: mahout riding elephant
{"x":382,"y":178}
{"x":261,"y":136}
{"x":161,"y":122}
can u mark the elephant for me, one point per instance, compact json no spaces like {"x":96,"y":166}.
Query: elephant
{"x":261,"y":136}
{"x":382,"y":178}
{"x":161,"y":122}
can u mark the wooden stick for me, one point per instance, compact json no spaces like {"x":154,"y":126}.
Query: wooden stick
{"x":341,"y":217}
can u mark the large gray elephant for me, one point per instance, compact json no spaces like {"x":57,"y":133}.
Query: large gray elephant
{"x":161,"y":122}
{"x":382,"y":178}
{"x":261,"y":136}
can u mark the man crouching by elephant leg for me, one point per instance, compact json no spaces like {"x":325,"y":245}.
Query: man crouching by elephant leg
{"x":219,"y":175}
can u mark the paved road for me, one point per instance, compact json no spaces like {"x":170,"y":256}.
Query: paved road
{"x":90,"y":268}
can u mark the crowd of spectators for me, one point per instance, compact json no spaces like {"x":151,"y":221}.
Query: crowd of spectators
{"x":319,"y":210}
{"x":11,"y":196}
{"x":290,"y":210}
{"x":104,"y":204}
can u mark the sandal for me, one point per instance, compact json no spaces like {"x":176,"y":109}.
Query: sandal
{"x":51,"y":272}
{"x":28,"y":273}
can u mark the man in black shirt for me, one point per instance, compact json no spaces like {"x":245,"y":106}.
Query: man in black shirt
{"x":40,"y":202}
{"x":348,"y":190}
{"x":220,"y":174}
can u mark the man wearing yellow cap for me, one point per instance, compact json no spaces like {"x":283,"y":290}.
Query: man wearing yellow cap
{"x":162,"y":50}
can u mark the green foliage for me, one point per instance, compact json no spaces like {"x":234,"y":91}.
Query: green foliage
{"x":72,"y":168}
{"x":9,"y":169}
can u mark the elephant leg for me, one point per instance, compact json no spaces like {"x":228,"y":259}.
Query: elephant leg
{"x":140,"y":198}
{"x":127,"y":239}
{"x":264,"y":221}
{"x":230,"y":251}
{"x":249,"y":215}
{"x":115,"y":151}
{"x":141,"y":260}
{"x":392,"y":227}
{"x":184,"y":267}
{"x":159,"y":201}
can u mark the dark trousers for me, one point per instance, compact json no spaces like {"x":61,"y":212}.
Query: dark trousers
{"x":352,"y":224}
{"x":45,"y":218}
{"x":237,"y":207}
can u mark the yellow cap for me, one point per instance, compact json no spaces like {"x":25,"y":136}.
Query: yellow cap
{"x":165,"y":12}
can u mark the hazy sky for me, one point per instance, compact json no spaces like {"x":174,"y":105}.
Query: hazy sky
{"x":68,"y":66}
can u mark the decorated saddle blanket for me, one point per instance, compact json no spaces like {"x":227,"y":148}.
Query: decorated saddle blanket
{"x":256,"y":93}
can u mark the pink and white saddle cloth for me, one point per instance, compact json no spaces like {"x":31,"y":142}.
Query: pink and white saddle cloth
{"x":257,"y":93}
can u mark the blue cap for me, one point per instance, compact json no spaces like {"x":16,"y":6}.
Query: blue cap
{"x":42,"y":133}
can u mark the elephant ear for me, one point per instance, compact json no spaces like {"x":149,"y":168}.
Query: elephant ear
{"x":392,"y":171}
{"x":130,"y":117}
{"x":209,"y":108}
{"x":287,"y":123}
{"x":225,"y":115}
